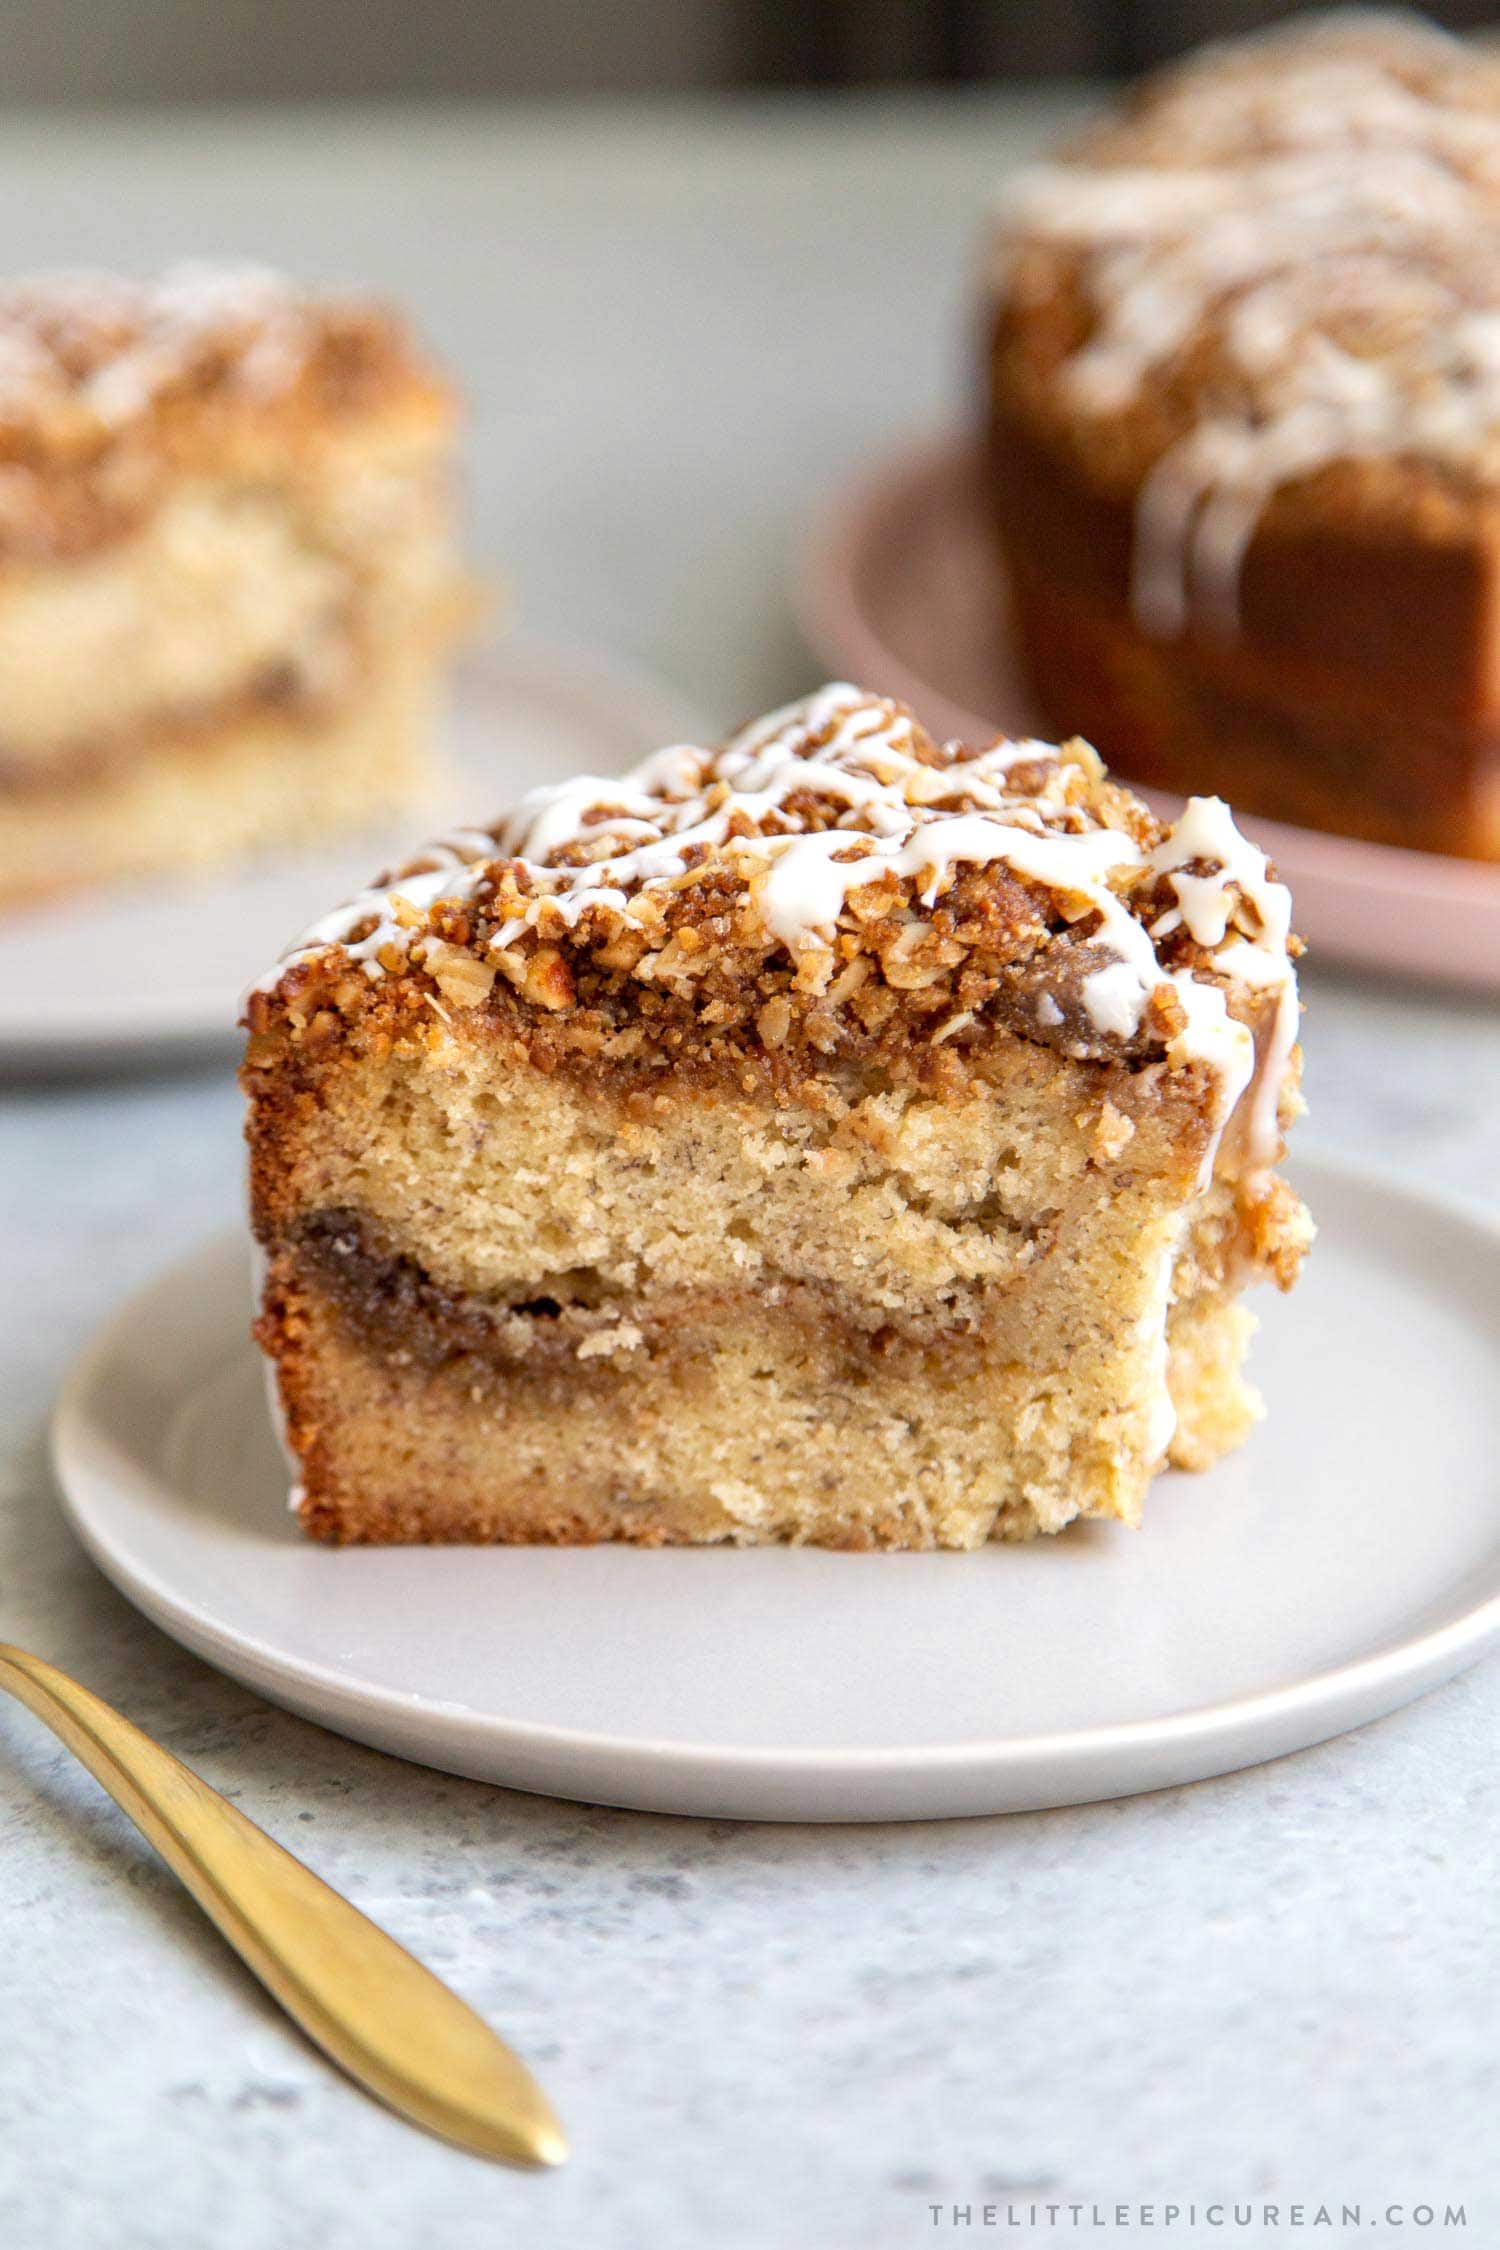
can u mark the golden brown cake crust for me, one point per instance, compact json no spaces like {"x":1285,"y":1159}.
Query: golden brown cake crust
{"x":112,"y":388}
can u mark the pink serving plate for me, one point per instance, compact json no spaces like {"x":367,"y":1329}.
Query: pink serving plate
{"x":901,"y":589}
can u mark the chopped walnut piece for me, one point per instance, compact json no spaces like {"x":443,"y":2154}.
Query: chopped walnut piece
{"x":774,"y":1021}
{"x":461,"y":979}
{"x":549,"y":980}
{"x":848,"y":981}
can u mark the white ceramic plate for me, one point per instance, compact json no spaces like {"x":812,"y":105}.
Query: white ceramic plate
{"x":1347,"y":1559}
{"x":901,"y":590}
{"x":143,"y":971}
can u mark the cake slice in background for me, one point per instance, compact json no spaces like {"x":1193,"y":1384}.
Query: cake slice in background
{"x":838,"y":1137}
{"x":227,"y":571}
{"x":1244,"y":430}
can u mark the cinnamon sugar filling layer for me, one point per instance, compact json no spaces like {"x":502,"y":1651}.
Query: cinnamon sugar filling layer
{"x":724,"y":1415}
{"x":393,"y":1305}
{"x":283,"y":691}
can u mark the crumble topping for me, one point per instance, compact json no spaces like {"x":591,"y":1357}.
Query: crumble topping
{"x":106,"y":380}
{"x":836,"y":837}
{"x":1280,"y":256}
{"x":103,"y":349}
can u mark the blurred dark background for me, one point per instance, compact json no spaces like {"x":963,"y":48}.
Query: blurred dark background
{"x":66,"y":51}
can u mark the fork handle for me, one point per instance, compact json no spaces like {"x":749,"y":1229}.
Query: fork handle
{"x":363,"y":1998}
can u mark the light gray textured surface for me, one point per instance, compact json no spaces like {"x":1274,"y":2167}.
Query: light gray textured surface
{"x":1278,"y":1986}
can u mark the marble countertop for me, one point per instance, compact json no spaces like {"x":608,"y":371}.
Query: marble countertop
{"x":680,"y":326}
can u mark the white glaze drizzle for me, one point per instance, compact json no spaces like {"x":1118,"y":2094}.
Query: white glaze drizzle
{"x":1334,"y":226}
{"x":1152,"y":1329}
{"x":896,"y":815}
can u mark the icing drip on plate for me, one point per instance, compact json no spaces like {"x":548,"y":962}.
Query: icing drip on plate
{"x":819,"y":800}
{"x":1299,"y":233}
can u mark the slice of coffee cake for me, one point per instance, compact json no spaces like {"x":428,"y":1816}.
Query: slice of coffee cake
{"x":838,"y":1137}
{"x":227,"y":575}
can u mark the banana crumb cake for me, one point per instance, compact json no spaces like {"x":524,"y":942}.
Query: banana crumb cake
{"x":836,"y":1137}
{"x":1244,"y":429}
{"x":226,"y":568}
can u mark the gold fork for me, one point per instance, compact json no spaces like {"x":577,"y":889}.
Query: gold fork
{"x":388,"y":2021}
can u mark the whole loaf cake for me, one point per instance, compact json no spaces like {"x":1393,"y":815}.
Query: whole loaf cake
{"x":1243,"y":384}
